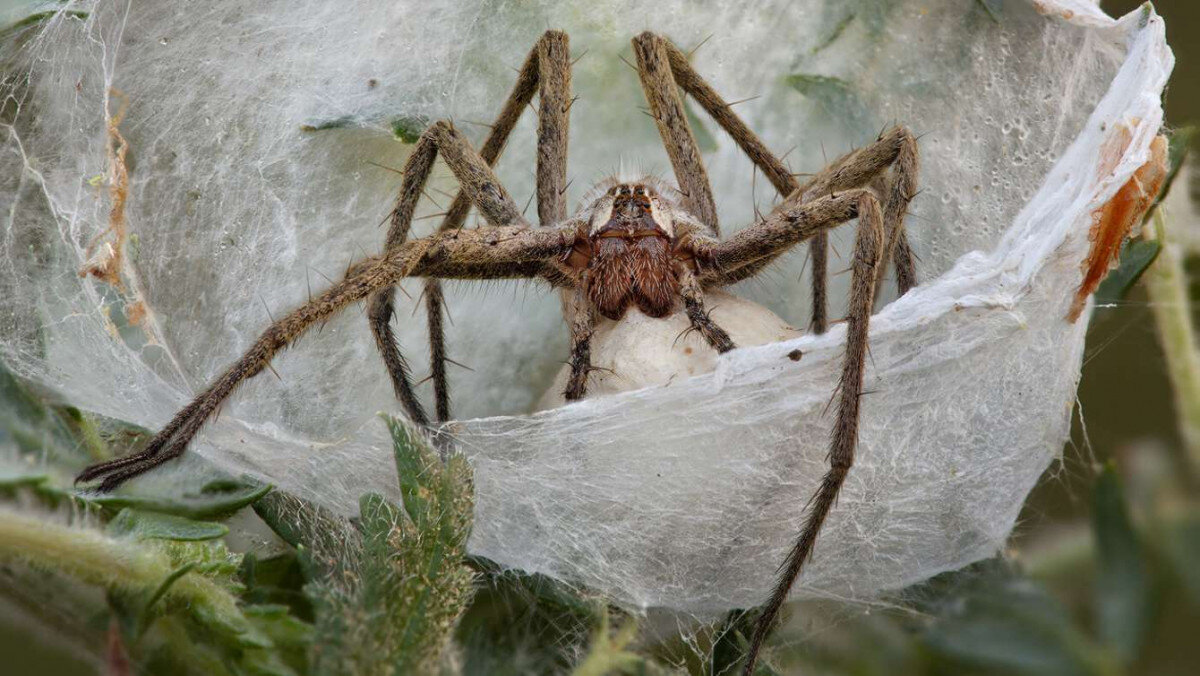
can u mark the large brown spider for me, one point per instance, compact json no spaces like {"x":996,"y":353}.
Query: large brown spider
{"x":638,"y":246}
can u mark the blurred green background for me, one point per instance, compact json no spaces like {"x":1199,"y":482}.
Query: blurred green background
{"x":1065,"y":601}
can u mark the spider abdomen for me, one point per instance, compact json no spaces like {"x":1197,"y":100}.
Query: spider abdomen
{"x":634,"y":270}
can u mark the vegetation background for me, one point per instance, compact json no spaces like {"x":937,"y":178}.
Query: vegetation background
{"x":1101,"y":576}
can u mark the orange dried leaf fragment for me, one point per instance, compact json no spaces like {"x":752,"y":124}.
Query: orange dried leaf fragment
{"x":1112,"y":223}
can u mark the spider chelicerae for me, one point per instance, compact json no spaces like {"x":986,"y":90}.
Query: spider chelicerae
{"x":637,"y":246}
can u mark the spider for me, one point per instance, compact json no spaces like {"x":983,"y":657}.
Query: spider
{"x":636,"y":246}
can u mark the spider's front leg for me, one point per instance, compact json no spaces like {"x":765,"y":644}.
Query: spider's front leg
{"x":509,"y":252}
{"x":581,"y":321}
{"x":547,"y":72}
{"x":480,"y":188}
{"x":895,"y":148}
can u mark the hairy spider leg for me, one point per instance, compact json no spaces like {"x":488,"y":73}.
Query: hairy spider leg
{"x":772,"y":167}
{"x":382,"y":304}
{"x":896,"y":147}
{"x":502,"y":252}
{"x":581,"y":321}
{"x":864,"y":261}
{"x":757,"y":246}
{"x":380,"y":307}
{"x":554,"y":117}
{"x":654,"y":69}
{"x":546,"y":71}
{"x":658,"y":84}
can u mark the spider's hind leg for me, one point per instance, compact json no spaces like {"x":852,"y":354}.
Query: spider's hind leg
{"x":381,"y":305}
{"x":513,"y":252}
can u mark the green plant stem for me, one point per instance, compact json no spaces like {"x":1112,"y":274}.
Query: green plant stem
{"x":1166,"y":284}
{"x":111,"y":563}
{"x":609,"y":654}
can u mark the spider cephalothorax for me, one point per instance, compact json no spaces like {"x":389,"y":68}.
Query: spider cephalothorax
{"x":636,"y":247}
{"x":630,"y":253}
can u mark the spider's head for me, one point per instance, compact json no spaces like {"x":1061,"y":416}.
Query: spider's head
{"x":627,"y":250}
{"x":631,"y":209}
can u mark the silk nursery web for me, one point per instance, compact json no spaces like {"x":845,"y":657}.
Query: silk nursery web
{"x":207,"y":166}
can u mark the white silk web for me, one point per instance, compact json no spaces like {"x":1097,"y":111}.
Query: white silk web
{"x":254,"y":143}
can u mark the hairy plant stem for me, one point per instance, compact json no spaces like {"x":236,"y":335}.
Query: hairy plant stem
{"x":1166,"y":284}
{"x":119,"y":564}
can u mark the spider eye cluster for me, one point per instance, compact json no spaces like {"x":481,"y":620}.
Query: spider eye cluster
{"x":631,"y":190}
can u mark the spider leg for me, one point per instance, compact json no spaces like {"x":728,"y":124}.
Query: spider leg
{"x":503,"y":252}
{"x":554,"y":99}
{"x":547,"y":70}
{"x":654,"y":69}
{"x":901,"y":190}
{"x":693,"y":305}
{"x":771,"y":166}
{"x":896,"y":147}
{"x":381,"y":305}
{"x":582,"y":323}
{"x":720,"y":262}
{"x":493,"y":146}
{"x":866,"y":257}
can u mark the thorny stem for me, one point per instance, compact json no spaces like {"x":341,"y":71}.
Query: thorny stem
{"x":1166,"y":284}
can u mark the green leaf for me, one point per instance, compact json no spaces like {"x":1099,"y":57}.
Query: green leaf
{"x":165,"y":586}
{"x":16,"y":477}
{"x":1181,"y":548}
{"x":344,"y":122}
{"x":608,"y":653}
{"x":18,"y":27}
{"x":1136,"y":256}
{"x":279,"y":624}
{"x":1007,"y":626}
{"x":264,"y":663}
{"x":218,"y":498}
{"x":413,"y":467}
{"x":276,"y":580}
{"x":325,"y":542}
{"x":1122,"y":591}
{"x":34,"y":426}
{"x":405,"y":128}
{"x":836,"y":33}
{"x":405,"y":585}
{"x":993,"y":8}
{"x":408,"y":128}
{"x":158,"y":526}
{"x":525,"y":619}
{"x":838,"y":98}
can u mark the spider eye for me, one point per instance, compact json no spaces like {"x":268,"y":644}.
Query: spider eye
{"x":641,"y":191}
